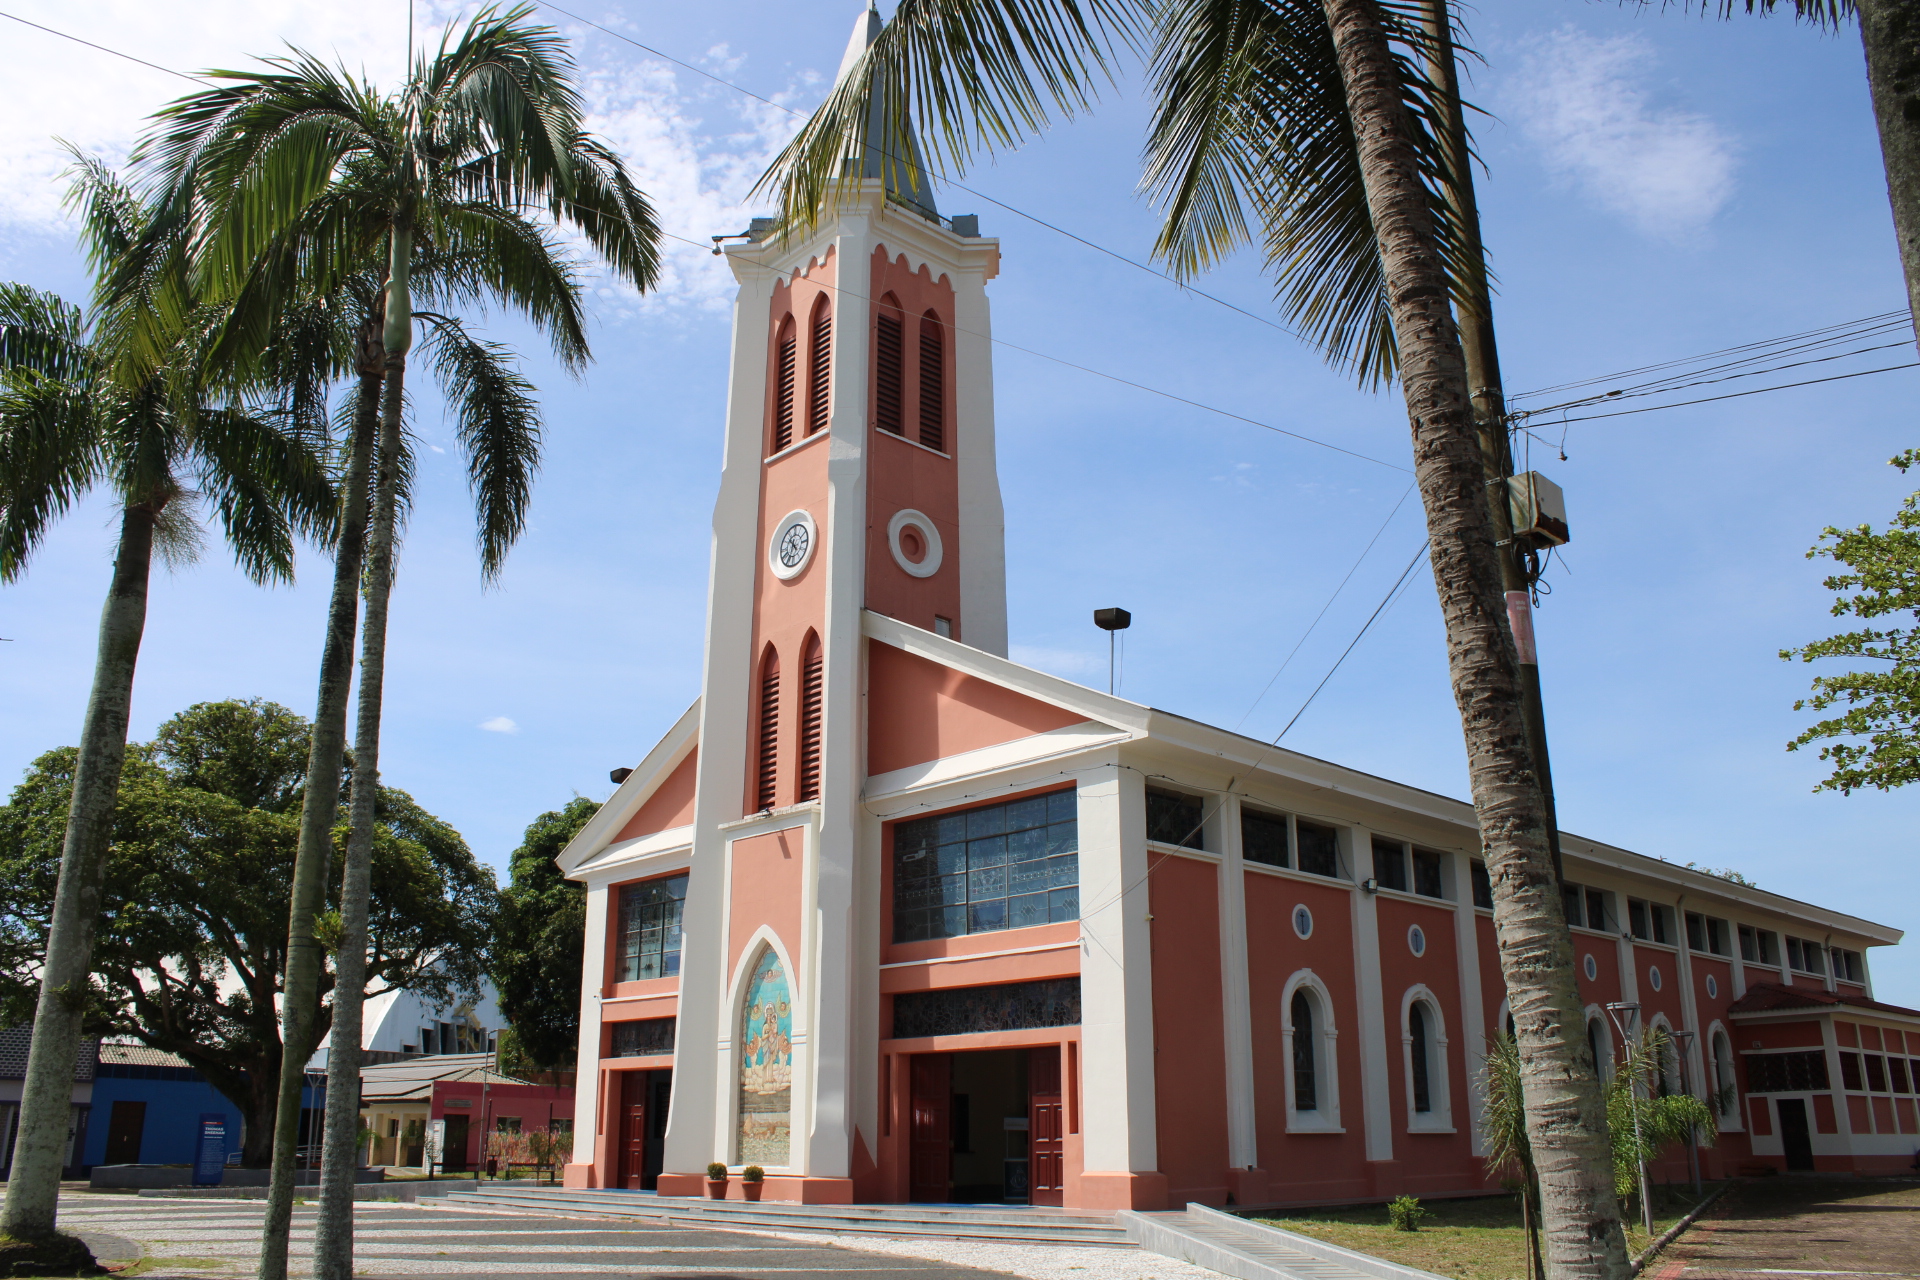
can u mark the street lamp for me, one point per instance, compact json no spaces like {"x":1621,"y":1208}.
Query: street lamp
{"x":1683,"y":1041}
{"x":1625,"y":1014}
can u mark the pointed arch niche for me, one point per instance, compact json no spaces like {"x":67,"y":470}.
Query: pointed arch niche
{"x":763,"y":1060}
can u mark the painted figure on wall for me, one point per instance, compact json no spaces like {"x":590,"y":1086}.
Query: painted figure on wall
{"x":766,"y":1065}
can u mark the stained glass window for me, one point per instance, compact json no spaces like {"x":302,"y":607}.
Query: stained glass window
{"x":650,"y":928}
{"x":646,"y":1038}
{"x":1004,"y":866}
{"x":1006,"y":1006}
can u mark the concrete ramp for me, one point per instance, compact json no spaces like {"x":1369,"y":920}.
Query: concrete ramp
{"x":1246,"y":1250}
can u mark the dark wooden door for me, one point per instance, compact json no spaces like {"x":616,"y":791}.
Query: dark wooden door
{"x":633,"y":1129}
{"x":659,"y":1093}
{"x":1046,"y":1128}
{"x":124,"y":1127}
{"x":930,"y":1129}
{"x":1794,"y":1137}
{"x":454,"y":1157}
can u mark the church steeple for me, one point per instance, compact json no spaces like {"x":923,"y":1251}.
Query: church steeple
{"x":907,"y":177}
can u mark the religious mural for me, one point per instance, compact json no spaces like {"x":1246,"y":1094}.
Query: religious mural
{"x":766,"y":1065}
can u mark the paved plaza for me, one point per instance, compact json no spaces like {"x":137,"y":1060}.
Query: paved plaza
{"x":183,"y":1239}
{"x":1779,"y":1228}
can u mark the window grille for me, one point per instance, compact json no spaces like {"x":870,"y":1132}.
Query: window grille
{"x":785,"y":369}
{"x":1482,"y":885}
{"x":1002,"y":866}
{"x":1877,"y":1073}
{"x":1263,"y":838}
{"x":933,"y":384}
{"x":820,"y":369}
{"x":765,"y":788}
{"x":1786,"y":1072}
{"x":1318,"y":847}
{"x":650,"y":928}
{"x":889,"y":370}
{"x":811,"y":672}
{"x":650,"y":1037}
{"x":1850,"y":1072}
{"x":1426,"y":874}
{"x":1390,"y":864}
{"x":1009,"y":1006}
{"x":1175,"y":819}
{"x":1417,"y":1029}
{"x":1597,"y":909}
{"x":1306,"y":1092}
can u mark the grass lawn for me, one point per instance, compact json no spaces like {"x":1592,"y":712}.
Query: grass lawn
{"x":1476,"y":1239}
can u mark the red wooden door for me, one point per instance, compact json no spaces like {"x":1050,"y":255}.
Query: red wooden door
{"x":1046,"y":1128}
{"x":633,"y":1128}
{"x":930,"y":1132}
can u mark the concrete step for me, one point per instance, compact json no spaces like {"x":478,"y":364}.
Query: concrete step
{"x":1233,"y":1246}
{"x":966,"y":1222}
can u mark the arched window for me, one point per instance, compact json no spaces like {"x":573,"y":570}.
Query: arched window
{"x":889,"y":365}
{"x":785,"y":370}
{"x":1599,"y":1047}
{"x":768,"y":775}
{"x":811,"y":673}
{"x":1724,"y":1094}
{"x":1306,"y":1086}
{"x":819,"y":368}
{"x":1417,"y":1050}
{"x":933,"y":383}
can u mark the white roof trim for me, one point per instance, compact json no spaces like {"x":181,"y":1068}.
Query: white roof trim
{"x":1001,"y":756}
{"x":639,"y":787}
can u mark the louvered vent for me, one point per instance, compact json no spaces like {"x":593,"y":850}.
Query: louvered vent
{"x":890,"y":365}
{"x":820,"y":368}
{"x":769,"y":775}
{"x":933,"y":384}
{"x":812,"y":671}
{"x":787,"y":366}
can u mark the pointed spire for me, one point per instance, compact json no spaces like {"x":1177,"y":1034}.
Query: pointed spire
{"x":906,"y":178}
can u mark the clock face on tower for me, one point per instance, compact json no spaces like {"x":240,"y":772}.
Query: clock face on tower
{"x":792,"y":545}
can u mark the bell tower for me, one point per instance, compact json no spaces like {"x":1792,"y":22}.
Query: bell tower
{"x":859,"y":474}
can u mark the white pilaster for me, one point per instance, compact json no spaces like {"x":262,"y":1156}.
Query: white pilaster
{"x":1116,"y":985}
{"x":1689,"y":1005}
{"x":1243,"y":1148}
{"x":1375,"y":1065}
{"x":983,"y":548}
{"x":1473,"y":1021}
{"x":593,"y":969}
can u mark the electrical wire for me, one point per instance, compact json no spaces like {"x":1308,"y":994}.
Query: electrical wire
{"x":1735,"y":395}
{"x":103,"y":49}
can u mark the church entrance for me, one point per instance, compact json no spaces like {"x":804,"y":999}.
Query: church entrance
{"x":643,"y":1127}
{"x":986,"y":1127}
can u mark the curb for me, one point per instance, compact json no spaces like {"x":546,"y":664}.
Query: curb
{"x":1674,"y":1232}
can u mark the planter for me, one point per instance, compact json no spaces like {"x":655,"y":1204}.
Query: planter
{"x":750,"y":1190}
{"x":716,"y":1188}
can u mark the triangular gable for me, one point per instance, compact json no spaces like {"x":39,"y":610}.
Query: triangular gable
{"x":670,"y":805}
{"x":657,"y":773}
{"x":929,"y":698}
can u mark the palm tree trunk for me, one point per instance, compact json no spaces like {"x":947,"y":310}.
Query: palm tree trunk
{"x":333,"y":1233}
{"x":1566,"y":1119}
{"x":46,"y":1102}
{"x":318,"y":813}
{"x":1890,"y":33}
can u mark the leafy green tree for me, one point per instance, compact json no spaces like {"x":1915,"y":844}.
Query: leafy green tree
{"x":538,"y":949}
{"x":76,"y":414}
{"x":485,"y":130}
{"x":1307,"y":120}
{"x":1878,"y":733}
{"x":191,"y":946}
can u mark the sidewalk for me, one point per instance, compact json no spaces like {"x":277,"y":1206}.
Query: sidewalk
{"x":1784,"y":1227}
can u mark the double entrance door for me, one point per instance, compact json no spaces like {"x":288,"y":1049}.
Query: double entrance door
{"x":986,"y":1127}
{"x":643,"y":1127}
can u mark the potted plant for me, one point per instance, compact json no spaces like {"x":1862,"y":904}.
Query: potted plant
{"x":716,"y":1181}
{"x":750,"y":1179}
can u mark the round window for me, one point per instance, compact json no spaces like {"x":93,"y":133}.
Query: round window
{"x":1653,"y":976}
{"x":1417,"y":940}
{"x":1303,"y":921}
{"x":1713,"y":987}
{"x":1591,"y":966}
{"x":915,"y":543}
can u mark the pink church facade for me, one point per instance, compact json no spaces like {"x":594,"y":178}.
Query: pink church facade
{"x":898,"y":919}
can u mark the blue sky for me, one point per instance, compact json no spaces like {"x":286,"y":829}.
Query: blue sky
{"x":1658,"y":186}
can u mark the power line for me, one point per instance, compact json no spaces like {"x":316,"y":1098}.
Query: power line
{"x":1360,"y":635}
{"x":1735,"y":395}
{"x":1670,"y":385}
{"x":103,"y":49}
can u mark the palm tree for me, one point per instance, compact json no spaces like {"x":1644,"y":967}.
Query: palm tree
{"x":1313,"y":124}
{"x":300,"y":171}
{"x":73,"y":414}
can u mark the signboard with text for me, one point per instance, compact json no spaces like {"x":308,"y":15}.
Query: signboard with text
{"x":210,"y":1154}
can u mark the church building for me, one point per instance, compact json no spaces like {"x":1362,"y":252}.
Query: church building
{"x":898,"y":919}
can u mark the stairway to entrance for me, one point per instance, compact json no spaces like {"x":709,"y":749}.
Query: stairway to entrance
{"x":952,"y":1222}
{"x":1247,"y":1250}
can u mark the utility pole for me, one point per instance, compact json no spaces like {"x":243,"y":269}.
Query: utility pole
{"x":1475,"y":308}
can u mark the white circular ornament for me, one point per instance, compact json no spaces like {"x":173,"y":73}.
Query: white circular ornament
{"x":1592,"y":968}
{"x":1713,"y":988}
{"x":915,"y":543}
{"x":1653,"y":976}
{"x":1303,"y":921}
{"x":1416,"y":940}
{"x":791,"y":549}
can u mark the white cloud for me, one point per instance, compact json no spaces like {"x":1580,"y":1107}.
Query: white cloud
{"x":499,"y":724}
{"x":1583,"y":102}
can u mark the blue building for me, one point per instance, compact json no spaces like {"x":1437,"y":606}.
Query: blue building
{"x":147,"y":1107}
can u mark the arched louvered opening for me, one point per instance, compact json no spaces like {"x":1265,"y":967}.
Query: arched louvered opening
{"x":767,"y":775}
{"x":786,"y":372}
{"x":1306,"y":1084}
{"x":933,"y":383}
{"x":1419,"y":1048}
{"x":812,"y":677}
{"x":889,"y":366}
{"x":819,"y":368}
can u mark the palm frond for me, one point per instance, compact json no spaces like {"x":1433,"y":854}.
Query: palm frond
{"x":947,"y":79}
{"x":265,"y":483}
{"x":1826,"y":14}
{"x":480,"y":250}
{"x":49,"y":456}
{"x":43,"y":333}
{"x":499,"y":430}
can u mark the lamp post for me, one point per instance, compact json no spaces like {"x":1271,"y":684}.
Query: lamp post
{"x":1625,"y":1015}
{"x":1683,"y":1041}
{"x":1110,"y":621}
